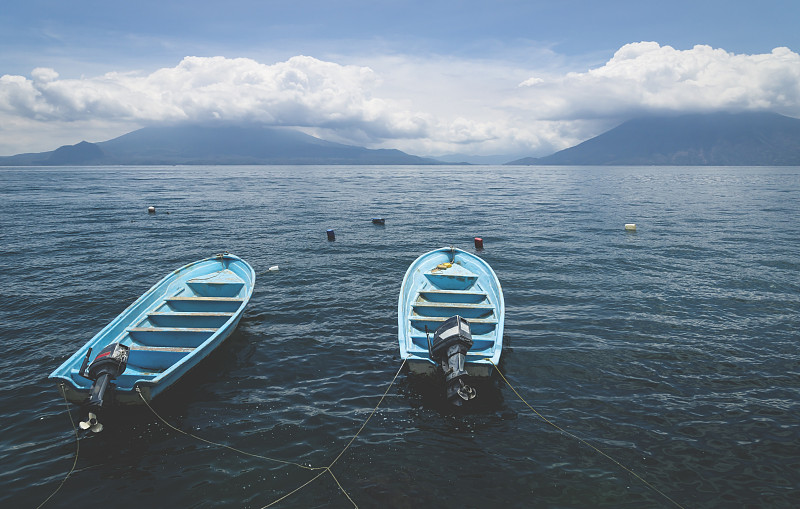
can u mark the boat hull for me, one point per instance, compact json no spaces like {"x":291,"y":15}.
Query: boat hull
{"x":169,"y":329}
{"x":432,"y":291}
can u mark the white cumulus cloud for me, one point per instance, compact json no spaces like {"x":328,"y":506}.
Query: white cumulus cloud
{"x":302,"y":91}
{"x":647,"y":77}
{"x":424,"y":106}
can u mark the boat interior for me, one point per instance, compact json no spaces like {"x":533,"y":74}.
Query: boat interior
{"x":448,"y":291}
{"x":177,"y":325}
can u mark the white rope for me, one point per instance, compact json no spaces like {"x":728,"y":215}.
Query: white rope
{"x":77,"y":448}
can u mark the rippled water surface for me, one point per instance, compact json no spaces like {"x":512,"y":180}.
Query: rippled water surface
{"x":672,"y":349}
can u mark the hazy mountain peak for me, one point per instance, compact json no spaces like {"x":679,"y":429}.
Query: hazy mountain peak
{"x":230,"y":144}
{"x":724,"y":139}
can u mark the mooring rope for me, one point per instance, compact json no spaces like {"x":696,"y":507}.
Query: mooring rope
{"x":370,"y":415}
{"x":328,"y":468}
{"x":581,"y":440}
{"x":77,"y":448}
{"x":311,"y":468}
{"x":139,"y":391}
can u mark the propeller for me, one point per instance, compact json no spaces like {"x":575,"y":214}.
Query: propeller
{"x":91,"y":424}
{"x":466,"y":392}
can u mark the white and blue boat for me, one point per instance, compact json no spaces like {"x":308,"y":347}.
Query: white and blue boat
{"x":161,"y":336}
{"x":450,"y":317}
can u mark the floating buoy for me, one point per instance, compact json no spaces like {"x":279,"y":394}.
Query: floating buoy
{"x":478,"y":243}
{"x":331,"y":235}
{"x":631,"y":227}
{"x":151,"y":210}
{"x":274,"y":268}
{"x":378,"y":220}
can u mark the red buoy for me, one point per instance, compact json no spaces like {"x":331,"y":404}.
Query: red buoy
{"x":478,"y":243}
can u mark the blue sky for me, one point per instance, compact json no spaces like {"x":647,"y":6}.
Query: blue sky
{"x":428,"y":77}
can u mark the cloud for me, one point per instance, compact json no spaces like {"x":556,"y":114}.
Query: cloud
{"x":647,"y":77}
{"x":347,"y":103}
{"x":302,"y":91}
{"x":431,"y":105}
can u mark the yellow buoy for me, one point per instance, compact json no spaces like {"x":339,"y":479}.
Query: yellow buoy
{"x":631,"y":227}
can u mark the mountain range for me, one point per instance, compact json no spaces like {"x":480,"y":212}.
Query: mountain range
{"x":724,"y":139}
{"x":713,"y":139}
{"x":212,"y":145}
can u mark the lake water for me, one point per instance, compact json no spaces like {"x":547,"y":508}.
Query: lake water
{"x":673,"y":349}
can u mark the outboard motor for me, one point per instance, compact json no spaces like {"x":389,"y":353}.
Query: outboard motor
{"x":107,"y":366}
{"x":451,"y":342}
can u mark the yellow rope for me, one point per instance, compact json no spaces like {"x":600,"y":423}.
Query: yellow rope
{"x":324,"y":469}
{"x":342,"y":488}
{"x":581,"y":440}
{"x":370,"y":415}
{"x":297,"y":489}
{"x":222,"y":445}
{"x":77,"y":448}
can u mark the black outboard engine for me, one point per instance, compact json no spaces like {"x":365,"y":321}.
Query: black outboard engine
{"x":107,"y":366}
{"x":451,"y":342}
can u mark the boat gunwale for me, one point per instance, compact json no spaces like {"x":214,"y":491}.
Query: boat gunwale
{"x":151,"y":300}
{"x":404,"y":305}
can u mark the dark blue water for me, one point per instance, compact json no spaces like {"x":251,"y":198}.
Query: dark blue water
{"x":673,"y":349}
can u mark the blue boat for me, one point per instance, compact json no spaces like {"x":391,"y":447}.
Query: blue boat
{"x":451,"y":310}
{"x":160,"y":337}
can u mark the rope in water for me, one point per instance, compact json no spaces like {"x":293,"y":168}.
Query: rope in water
{"x":139,"y":391}
{"x":327,"y":469}
{"x":323,"y":469}
{"x":77,"y":448}
{"x":581,"y":440}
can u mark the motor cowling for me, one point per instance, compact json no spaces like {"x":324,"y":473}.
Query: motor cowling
{"x":107,"y":366}
{"x":451,"y":342}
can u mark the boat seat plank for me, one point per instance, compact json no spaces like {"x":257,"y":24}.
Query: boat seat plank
{"x":472,"y":321}
{"x":181,"y":337}
{"x":188,"y":318}
{"x":459,"y":305}
{"x":156,"y":358}
{"x":204,"y":299}
{"x":131,"y":375}
{"x":447,"y":309}
{"x":452,"y":292}
{"x":178,"y":330}
{"x":472,"y":353}
{"x":219,"y":304}
{"x":189,"y":313}
{"x":479,"y":326}
{"x":477,"y":344}
{"x":166,"y":349}
{"x":471,"y":296}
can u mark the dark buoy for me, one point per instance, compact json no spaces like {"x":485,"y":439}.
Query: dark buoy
{"x":331,"y":235}
{"x":478,"y":243}
{"x":378,"y":220}
{"x":151,"y":210}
